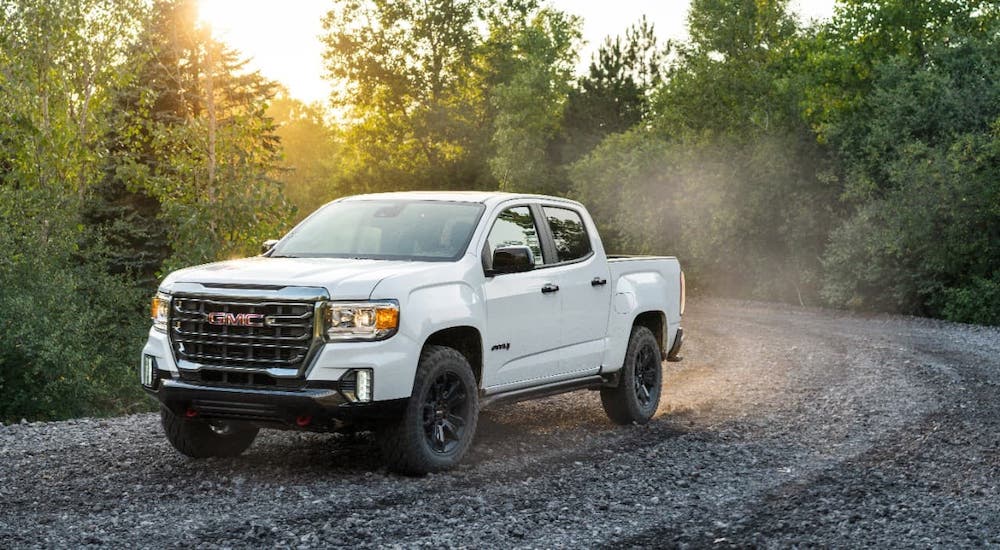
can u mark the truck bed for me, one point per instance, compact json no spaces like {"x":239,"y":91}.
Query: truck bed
{"x":643,"y":283}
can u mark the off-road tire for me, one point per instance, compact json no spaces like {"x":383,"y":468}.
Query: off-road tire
{"x":407,"y":443}
{"x":626,"y":403}
{"x":197,"y":439}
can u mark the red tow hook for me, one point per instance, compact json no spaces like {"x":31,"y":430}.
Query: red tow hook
{"x":303,"y":420}
{"x":190,"y":413}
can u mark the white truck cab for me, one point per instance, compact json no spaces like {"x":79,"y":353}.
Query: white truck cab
{"x":407,"y":313}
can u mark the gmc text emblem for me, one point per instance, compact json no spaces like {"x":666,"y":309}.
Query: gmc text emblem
{"x":235,"y":319}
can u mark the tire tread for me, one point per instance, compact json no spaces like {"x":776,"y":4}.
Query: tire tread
{"x":196,"y":439}
{"x":620,"y":403}
{"x":402,"y":447}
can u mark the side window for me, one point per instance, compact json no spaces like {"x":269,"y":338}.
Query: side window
{"x":516,"y":226}
{"x":569,"y":233}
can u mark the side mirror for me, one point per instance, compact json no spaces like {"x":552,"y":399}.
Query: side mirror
{"x":512,"y":259}
{"x":268,"y":245}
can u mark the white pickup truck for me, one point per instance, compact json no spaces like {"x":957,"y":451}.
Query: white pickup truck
{"x":407,"y":313}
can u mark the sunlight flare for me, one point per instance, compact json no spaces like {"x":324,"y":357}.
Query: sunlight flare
{"x":281,"y":40}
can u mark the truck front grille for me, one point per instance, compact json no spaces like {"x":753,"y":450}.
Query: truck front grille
{"x":216,"y":332}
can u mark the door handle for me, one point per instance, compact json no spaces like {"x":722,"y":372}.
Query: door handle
{"x":598,"y":281}
{"x":549,"y":288}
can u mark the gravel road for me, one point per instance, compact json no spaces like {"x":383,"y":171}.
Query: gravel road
{"x":782,"y":426}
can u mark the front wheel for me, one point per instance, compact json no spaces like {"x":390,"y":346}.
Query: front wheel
{"x":638,"y":393}
{"x":201,"y":439}
{"x":440,"y":419}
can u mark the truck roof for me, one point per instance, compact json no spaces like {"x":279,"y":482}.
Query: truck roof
{"x":485,"y":197}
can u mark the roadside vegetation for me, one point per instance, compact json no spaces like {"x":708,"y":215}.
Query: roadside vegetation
{"x":852,"y":163}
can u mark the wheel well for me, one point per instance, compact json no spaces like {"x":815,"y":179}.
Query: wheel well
{"x":655,"y":321}
{"x":465,"y":340}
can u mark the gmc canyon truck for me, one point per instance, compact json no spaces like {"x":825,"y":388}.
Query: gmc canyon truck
{"x":406,"y":314}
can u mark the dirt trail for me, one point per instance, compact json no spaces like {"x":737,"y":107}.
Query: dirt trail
{"x":782,"y":426}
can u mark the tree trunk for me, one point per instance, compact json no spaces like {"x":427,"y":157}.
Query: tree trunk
{"x":210,"y":106}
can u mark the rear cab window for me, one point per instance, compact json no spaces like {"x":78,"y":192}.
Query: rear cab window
{"x":569,"y":234}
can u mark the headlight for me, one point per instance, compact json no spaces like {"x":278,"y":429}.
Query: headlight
{"x":360,"y":320}
{"x":160,"y":310}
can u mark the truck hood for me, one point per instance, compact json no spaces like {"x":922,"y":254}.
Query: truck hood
{"x":345,"y":279}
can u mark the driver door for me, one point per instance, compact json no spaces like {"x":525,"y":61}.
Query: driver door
{"x":522,"y":321}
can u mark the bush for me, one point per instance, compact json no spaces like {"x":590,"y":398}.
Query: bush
{"x":976,"y":302}
{"x":70,"y":334}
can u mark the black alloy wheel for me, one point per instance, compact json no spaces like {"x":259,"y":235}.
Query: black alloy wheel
{"x":439,"y":422}
{"x":637,"y":395}
{"x":445,"y":410}
{"x":645,"y":379}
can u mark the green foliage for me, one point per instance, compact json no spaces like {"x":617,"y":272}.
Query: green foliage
{"x":600,"y":181}
{"x":977,"y":301}
{"x":922,"y":173}
{"x":744,"y":218}
{"x":131,"y":143}
{"x":615,"y":94}
{"x":312,"y":172}
{"x":57,"y":58}
{"x":724,"y":173}
{"x":529,"y":104}
{"x":738,"y":29}
{"x":734,"y":78}
{"x":853,"y":163}
{"x":404,"y":75}
{"x":839,"y":59}
{"x":68,"y":330}
{"x":196,"y":137}
{"x":450,"y":94}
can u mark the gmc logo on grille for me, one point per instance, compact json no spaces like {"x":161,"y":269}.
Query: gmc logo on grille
{"x":235,"y":319}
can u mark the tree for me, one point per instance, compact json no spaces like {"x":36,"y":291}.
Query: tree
{"x":920,"y":179}
{"x":738,"y":29}
{"x":449,"y":93}
{"x":64,"y":347}
{"x":313,"y":153}
{"x":529,"y":104}
{"x":194,"y":135}
{"x":615,"y":94}
{"x":722,"y":171}
{"x":729,"y":79}
{"x":403,"y":74}
{"x":839,"y":60}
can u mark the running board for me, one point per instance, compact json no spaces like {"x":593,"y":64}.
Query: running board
{"x":555,"y":388}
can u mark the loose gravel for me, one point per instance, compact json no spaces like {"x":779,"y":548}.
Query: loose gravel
{"x":782,"y":426}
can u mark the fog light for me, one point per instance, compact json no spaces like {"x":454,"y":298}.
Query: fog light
{"x":356,"y":385}
{"x":147,"y":371}
{"x":364,"y":391}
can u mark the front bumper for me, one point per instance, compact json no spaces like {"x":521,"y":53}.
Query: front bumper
{"x":315,"y":407}
{"x":392,"y":362}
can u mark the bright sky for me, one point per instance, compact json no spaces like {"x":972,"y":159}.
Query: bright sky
{"x":281,"y":38}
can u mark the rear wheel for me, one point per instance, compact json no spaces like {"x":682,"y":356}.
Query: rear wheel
{"x":638,"y":393}
{"x":440,"y":419}
{"x":204,"y":439}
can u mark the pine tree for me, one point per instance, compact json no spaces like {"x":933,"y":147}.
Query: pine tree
{"x":614,"y":95}
{"x":193,"y":155}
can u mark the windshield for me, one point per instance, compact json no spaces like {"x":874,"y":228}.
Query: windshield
{"x":385,"y":230}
